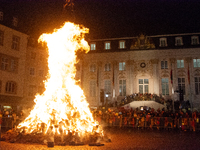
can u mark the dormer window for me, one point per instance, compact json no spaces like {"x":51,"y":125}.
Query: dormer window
{"x":163,"y":42}
{"x":194,"y":40}
{"x":122,"y":44}
{"x":15,"y":21}
{"x":107,"y":45}
{"x":178,"y":41}
{"x":93,"y":46}
{"x":1,"y":16}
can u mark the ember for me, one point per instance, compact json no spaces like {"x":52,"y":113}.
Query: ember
{"x":61,"y":114}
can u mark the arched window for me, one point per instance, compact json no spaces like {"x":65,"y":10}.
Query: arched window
{"x":11,"y":87}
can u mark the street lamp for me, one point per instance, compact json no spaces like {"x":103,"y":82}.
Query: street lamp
{"x":106,"y":100}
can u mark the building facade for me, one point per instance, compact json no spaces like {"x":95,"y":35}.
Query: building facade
{"x":23,"y":66}
{"x":13,"y":46}
{"x":167,"y":65}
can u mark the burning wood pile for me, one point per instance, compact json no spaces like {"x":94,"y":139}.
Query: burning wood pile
{"x":72,"y":138}
{"x":61,"y":114}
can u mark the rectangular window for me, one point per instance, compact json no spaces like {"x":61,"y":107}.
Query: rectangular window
{"x":197,"y":85}
{"x":122,"y":66}
{"x":15,"y":42}
{"x":107,"y":45}
{"x":92,"y":46}
{"x":92,"y":68}
{"x":196,"y":63}
{"x":4,"y":63}
{"x":1,"y":16}
{"x":11,"y":87}
{"x":163,"y":42}
{"x":32,"y":71}
{"x":1,"y":37}
{"x":13,"y":65}
{"x":164,"y":65}
{"x":92,"y":88}
{"x":178,"y":41}
{"x":181,"y":84}
{"x":121,"y":44}
{"x":180,"y":63}
{"x":122,"y":87}
{"x":107,"y":67}
{"x":143,"y":85}
{"x":194,"y":40}
{"x":107,"y":86}
{"x":165,"y":86}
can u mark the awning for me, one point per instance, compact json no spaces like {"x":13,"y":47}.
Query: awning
{"x":138,"y":104}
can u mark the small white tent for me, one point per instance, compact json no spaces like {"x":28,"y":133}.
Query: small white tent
{"x":138,"y":104}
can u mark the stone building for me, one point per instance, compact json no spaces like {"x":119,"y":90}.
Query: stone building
{"x":23,"y":66}
{"x":159,"y":64}
{"x":13,"y":46}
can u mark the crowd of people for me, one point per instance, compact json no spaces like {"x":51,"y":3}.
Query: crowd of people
{"x":10,"y":118}
{"x":142,"y":97}
{"x":149,"y":119}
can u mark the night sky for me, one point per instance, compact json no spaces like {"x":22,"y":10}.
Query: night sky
{"x":109,"y":18}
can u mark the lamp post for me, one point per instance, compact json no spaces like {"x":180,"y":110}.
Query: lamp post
{"x":106,"y":101}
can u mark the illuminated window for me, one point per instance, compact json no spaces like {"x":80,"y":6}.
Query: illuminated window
{"x":11,"y":87}
{"x":15,"y":42}
{"x":92,"y":88}
{"x":164,"y":65}
{"x":163,"y":42}
{"x":1,"y":16}
{"x":15,"y":21}
{"x":194,"y":40}
{"x":92,"y":68}
{"x":165,"y":86}
{"x":143,"y":85}
{"x":197,"y":85}
{"x":122,"y":66}
{"x":92,"y":46}
{"x":107,"y":45}
{"x":32,"y":71}
{"x":196,"y":63}
{"x":122,"y":87}
{"x":122,"y":44}
{"x":107,"y":86}
{"x":1,"y":37}
{"x":107,"y":67}
{"x":178,"y":41}
{"x":180,"y":63}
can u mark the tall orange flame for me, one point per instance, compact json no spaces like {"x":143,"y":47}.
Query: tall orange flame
{"x":63,"y":102}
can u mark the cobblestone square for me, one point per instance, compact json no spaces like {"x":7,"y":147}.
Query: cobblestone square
{"x":128,"y":139}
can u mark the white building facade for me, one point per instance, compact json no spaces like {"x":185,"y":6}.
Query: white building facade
{"x":160,"y":64}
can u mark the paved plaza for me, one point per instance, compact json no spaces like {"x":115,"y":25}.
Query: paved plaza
{"x":128,"y":139}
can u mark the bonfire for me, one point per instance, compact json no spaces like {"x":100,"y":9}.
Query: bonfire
{"x":62,"y":111}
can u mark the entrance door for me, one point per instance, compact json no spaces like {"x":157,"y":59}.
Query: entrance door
{"x":144,"y":85}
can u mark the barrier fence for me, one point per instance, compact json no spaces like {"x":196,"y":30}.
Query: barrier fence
{"x":151,"y":123}
{"x":133,"y":122}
